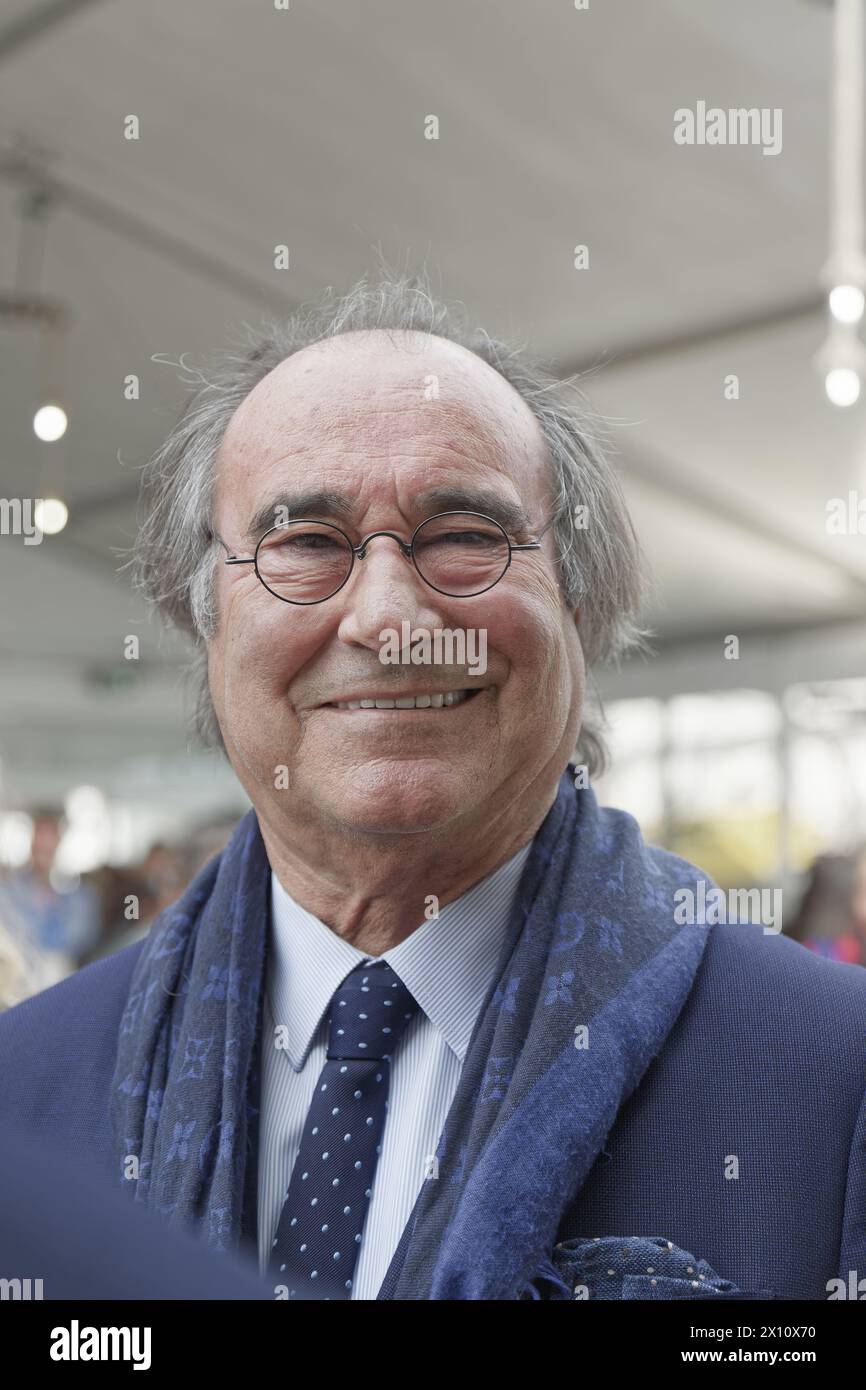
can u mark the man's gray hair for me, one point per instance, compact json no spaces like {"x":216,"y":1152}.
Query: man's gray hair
{"x":175,"y":555}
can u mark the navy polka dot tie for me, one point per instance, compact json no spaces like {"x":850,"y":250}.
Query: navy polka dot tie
{"x":321,"y":1226}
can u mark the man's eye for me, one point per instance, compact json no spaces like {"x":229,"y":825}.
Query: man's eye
{"x":467,"y":537}
{"x":305,"y":542}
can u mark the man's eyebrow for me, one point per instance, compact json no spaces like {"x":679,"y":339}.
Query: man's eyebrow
{"x":319,"y":502}
{"x":327,"y":504}
{"x":508,"y":513}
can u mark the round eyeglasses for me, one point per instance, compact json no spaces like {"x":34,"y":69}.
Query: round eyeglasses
{"x":458,"y":554}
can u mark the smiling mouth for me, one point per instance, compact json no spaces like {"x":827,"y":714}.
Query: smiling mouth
{"x":433,"y":701}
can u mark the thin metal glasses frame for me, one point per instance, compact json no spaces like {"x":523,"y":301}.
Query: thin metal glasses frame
{"x":360,"y":550}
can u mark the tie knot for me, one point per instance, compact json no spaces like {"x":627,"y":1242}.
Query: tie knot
{"x":370,"y":1012}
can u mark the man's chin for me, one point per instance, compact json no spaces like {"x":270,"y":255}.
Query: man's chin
{"x":384,"y":798}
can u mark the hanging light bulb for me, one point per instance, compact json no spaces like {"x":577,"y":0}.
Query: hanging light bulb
{"x":842,"y":385}
{"x":49,"y":423}
{"x":847,"y":303}
{"x":50,"y":515}
{"x":841,"y":361}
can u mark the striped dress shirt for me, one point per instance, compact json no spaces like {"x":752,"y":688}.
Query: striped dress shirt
{"x":448,"y":963}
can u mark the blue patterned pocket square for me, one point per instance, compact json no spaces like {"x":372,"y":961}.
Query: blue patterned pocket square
{"x":623,"y":1267}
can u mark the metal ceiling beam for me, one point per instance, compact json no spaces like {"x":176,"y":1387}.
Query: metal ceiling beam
{"x":694,"y":339}
{"x":646,"y":466}
{"x":32,"y":25}
{"x":18,"y":167}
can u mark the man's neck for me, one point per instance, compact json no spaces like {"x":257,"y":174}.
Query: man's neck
{"x":374,"y":892}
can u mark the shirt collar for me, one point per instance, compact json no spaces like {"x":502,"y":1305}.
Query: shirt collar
{"x":448,"y":963}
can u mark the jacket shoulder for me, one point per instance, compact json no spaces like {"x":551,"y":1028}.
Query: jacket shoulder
{"x":764,"y":1004}
{"x":58,"y":1048}
{"x":771,"y":971}
{"x":82,"y":1001}
{"x":757,"y":984}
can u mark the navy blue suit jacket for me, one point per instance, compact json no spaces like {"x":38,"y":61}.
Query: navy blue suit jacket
{"x":763,"y":1075}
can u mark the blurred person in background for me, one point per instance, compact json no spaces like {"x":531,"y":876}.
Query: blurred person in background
{"x":208,"y":840}
{"x":20,"y":975}
{"x":831,"y":920}
{"x":53,"y":918}
{"x":165,"y":874}
{"x":133,"y":896}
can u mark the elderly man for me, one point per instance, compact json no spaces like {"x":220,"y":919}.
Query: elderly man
{"x":432,"y":1025}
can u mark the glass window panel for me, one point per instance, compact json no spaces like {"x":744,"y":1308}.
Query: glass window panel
{"x":722,"y":717}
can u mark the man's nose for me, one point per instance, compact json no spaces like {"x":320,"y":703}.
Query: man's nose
{"x":385,"y":590}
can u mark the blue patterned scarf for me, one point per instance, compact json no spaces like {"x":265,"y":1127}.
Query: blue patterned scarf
{"x":592,"y":974}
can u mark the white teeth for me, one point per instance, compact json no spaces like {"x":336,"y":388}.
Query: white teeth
{"x":441,"y":700}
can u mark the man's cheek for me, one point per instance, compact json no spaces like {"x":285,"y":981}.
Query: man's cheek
{"x":253,"y":648}
{"x":251,"y":690}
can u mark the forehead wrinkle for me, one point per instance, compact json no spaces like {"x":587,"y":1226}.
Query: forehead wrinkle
{"x":446,"y":439}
